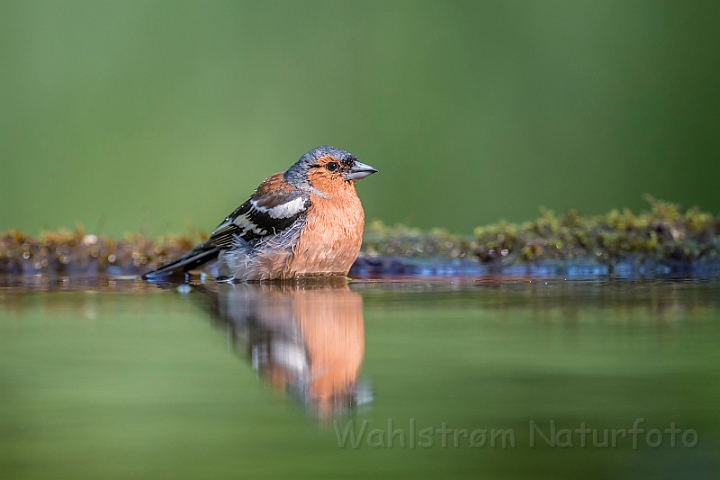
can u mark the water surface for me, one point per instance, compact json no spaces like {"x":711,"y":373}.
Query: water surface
{"x":119,"y":379}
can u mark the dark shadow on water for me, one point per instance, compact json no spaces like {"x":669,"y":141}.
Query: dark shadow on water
{"x":304,"y":339}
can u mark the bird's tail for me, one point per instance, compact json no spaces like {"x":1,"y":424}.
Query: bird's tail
{"x":197,"y":257}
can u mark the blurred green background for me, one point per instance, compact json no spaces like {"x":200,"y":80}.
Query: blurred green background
{"x":126,"y":115}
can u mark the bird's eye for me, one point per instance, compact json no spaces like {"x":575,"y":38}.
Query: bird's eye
{"x":332,"y":166}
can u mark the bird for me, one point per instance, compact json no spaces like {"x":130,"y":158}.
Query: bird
{"x":306,"y":221}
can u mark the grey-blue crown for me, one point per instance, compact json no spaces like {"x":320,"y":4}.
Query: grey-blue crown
{"x":297,"y":174}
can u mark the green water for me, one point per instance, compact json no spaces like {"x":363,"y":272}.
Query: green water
{"x":124,"y":380}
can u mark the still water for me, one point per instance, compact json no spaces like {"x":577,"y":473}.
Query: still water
{"x":486,"y":378}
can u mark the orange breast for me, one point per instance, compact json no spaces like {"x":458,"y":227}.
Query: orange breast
{"x":331,"y":239}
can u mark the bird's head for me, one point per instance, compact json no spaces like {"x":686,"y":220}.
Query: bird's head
{"x":326,"y":169}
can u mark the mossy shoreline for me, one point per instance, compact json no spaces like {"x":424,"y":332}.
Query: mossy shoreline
{"x":662,"y":239}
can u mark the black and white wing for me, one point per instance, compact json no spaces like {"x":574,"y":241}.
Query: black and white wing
{"x":273,"y":208}
{"x":261,"y":216}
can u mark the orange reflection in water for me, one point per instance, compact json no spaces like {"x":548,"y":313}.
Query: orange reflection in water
{"x":306,"y":339}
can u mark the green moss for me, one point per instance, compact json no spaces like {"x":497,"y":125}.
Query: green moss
{"x":75,"y":252}
{"x":663,"y":234}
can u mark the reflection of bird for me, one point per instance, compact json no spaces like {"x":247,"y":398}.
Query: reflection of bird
{"x":307,"y":340}
{"x":305,"y":221}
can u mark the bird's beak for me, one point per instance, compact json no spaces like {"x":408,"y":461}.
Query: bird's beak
{"x":359,"y":171}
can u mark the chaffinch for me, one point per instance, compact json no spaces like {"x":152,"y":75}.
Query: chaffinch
{"x":307,"y":220}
